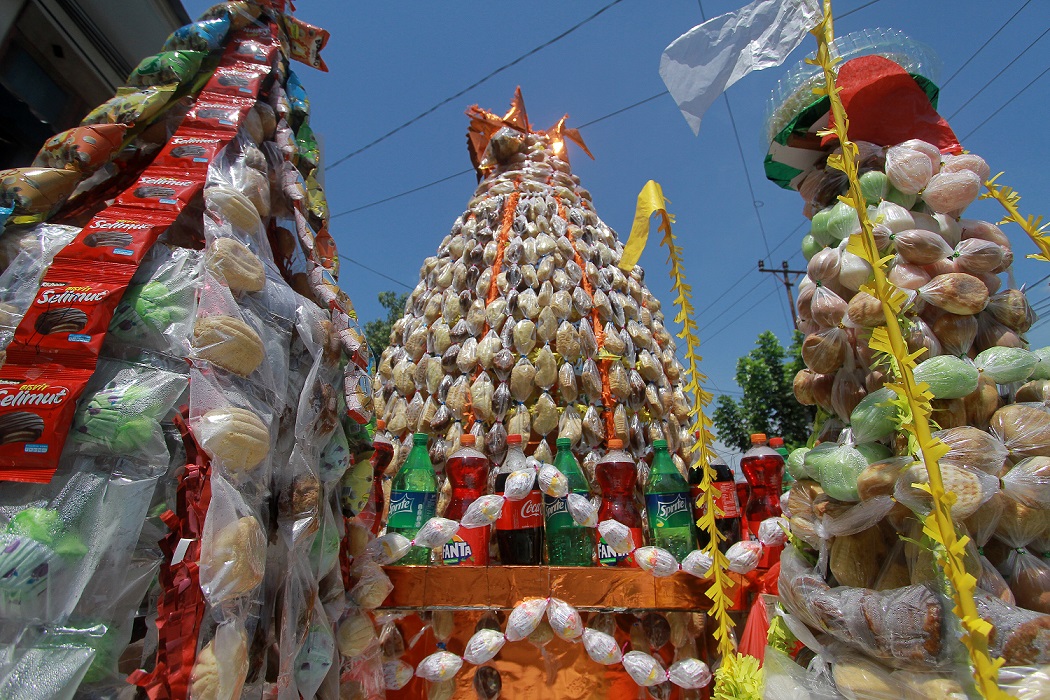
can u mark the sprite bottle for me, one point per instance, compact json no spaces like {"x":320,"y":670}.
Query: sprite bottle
{"x":568,"y":544}
{"x":413,"y":498}
{"x":667,"y":505}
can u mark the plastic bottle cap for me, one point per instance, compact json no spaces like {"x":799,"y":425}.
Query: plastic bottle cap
{"x":380,"y":424}
{"x":467,"y":440}
{"x":659,"y":444}
{"x":615,"y":444}
{"x":776,"y":442}
{"x":514,"y":439}
{"x":563,"y":442}
{"x":420,"y":438}
{"x":757,"y":438}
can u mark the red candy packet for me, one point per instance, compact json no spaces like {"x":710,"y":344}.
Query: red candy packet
{"x":68,"y":319}
{"x":254,"y":44}
{"x":36,"y":409}
{"x":190,"y":152}
{"x":160,"y":189}
{"x":237,"y":78}
{"x":217,"y":113}
{"x":119,"y":235}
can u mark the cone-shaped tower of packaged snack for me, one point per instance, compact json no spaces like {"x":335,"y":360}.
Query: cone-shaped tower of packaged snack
{"x":173,"y":386}
{"x":860,"y":568}
{"x":523,"y":324}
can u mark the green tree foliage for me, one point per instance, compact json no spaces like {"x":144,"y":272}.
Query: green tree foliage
{"x":377,"y":331}
{"x":768,"y":405}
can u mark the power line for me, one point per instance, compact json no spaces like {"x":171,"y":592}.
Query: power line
{"x":1003,"y":106}
{"x":985,"y":44}
{"x":996,"y":76}
{"x":473,"y":85}
{"x":737,"y":320}
{"x":731,"y":306}
{"x":375,"y":271}
{"x":844,"y":15}
{"x":402,"y":194}
{"x":619,"y":111}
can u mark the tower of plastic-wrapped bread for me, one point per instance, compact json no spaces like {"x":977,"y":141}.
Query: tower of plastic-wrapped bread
{"x":522,"y":323}
{"x":860,"y":572}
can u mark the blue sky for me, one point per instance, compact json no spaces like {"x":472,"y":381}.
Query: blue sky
{"x":392,"y":61}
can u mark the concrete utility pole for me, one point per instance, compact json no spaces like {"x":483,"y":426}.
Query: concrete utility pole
{"x":788,"y":284}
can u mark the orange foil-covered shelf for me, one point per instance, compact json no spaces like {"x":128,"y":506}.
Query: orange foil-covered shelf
{"x":585,"y":588}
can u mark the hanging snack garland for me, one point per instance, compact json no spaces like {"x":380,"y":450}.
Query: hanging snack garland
{"x":202,"y":285}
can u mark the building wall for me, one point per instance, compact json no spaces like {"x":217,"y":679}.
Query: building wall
{"x":61,"y":58}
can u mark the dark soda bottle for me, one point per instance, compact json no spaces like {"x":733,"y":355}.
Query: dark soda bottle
{"x":519,"y":529}
{"x":382,"y":455}
{"x":568,"y":544}
{"x":726,"y":499}
{"x":763,"y":468}
{"x":617,"y":475}
{"x":468,"y":474}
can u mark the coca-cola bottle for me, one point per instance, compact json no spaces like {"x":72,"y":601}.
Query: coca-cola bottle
{"x":763,"y":468}
{"x":617,"y":475}
{"x":468,"y":473}
{"x":382,"y":455}
{"x":519,"y":529}
{"x":725,"y":498}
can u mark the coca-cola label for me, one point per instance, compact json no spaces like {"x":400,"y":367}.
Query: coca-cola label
{"x":410,"y":509}
{"x":522,"y":515}
{"x":607,"y":556}
{"x":468,"y":547}
{"x":725,"y":499}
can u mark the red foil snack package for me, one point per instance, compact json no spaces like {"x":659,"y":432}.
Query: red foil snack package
{"x":36,"y":409}
{"x":119,"y":234}
{"x":82,"y":148}
{"x":306,"y":42}
{"x":237,"y":78}
{"x":161,"y":189}
{"x":254,"y":44}
{"x":217,"y":113}
{"x":190,"y":152}
{"x":68,"y":319}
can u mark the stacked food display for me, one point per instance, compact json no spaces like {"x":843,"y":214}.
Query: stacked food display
{"x":183,"y":384}
{"x":869,"y":583}
{"x":529,"y":374}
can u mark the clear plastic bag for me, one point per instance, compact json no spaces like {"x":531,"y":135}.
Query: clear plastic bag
{"x":233,"y":546}
{"x":483,"y":646}
{"x":601,"y":647}
{"x":439,"y":666}
{"x":525,"y":618}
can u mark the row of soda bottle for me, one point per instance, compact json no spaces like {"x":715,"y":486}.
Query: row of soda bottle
{"x":539,"y":523}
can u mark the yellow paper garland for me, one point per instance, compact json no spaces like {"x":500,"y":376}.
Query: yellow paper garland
{"x":1033,"y":225}
{"x":651,"y":201}
{"x":889,"y":339}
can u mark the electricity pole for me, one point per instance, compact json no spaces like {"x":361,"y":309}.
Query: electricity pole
{"x":788,"y":284}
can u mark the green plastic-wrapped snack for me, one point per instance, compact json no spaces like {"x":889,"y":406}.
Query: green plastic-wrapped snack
{"x":949,"y":377}
{"x":1041,"y":370}
{"x":131,"y":106}
{"x":796,"y":464}
{"x":819,"y":227}
{"x":874,"y":417}
{"x":837,"y":468}
{"x":843,"y":221}
{"x":1006,"y":365}
{"x":165,"y":68}
{"x":874,"y":186}
{"x":874,"y":451}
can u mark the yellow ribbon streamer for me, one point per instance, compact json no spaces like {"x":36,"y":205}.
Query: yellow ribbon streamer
{"x":1033,"y":225}
{"x":650,"y":201}
{"x":889,"y":339}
